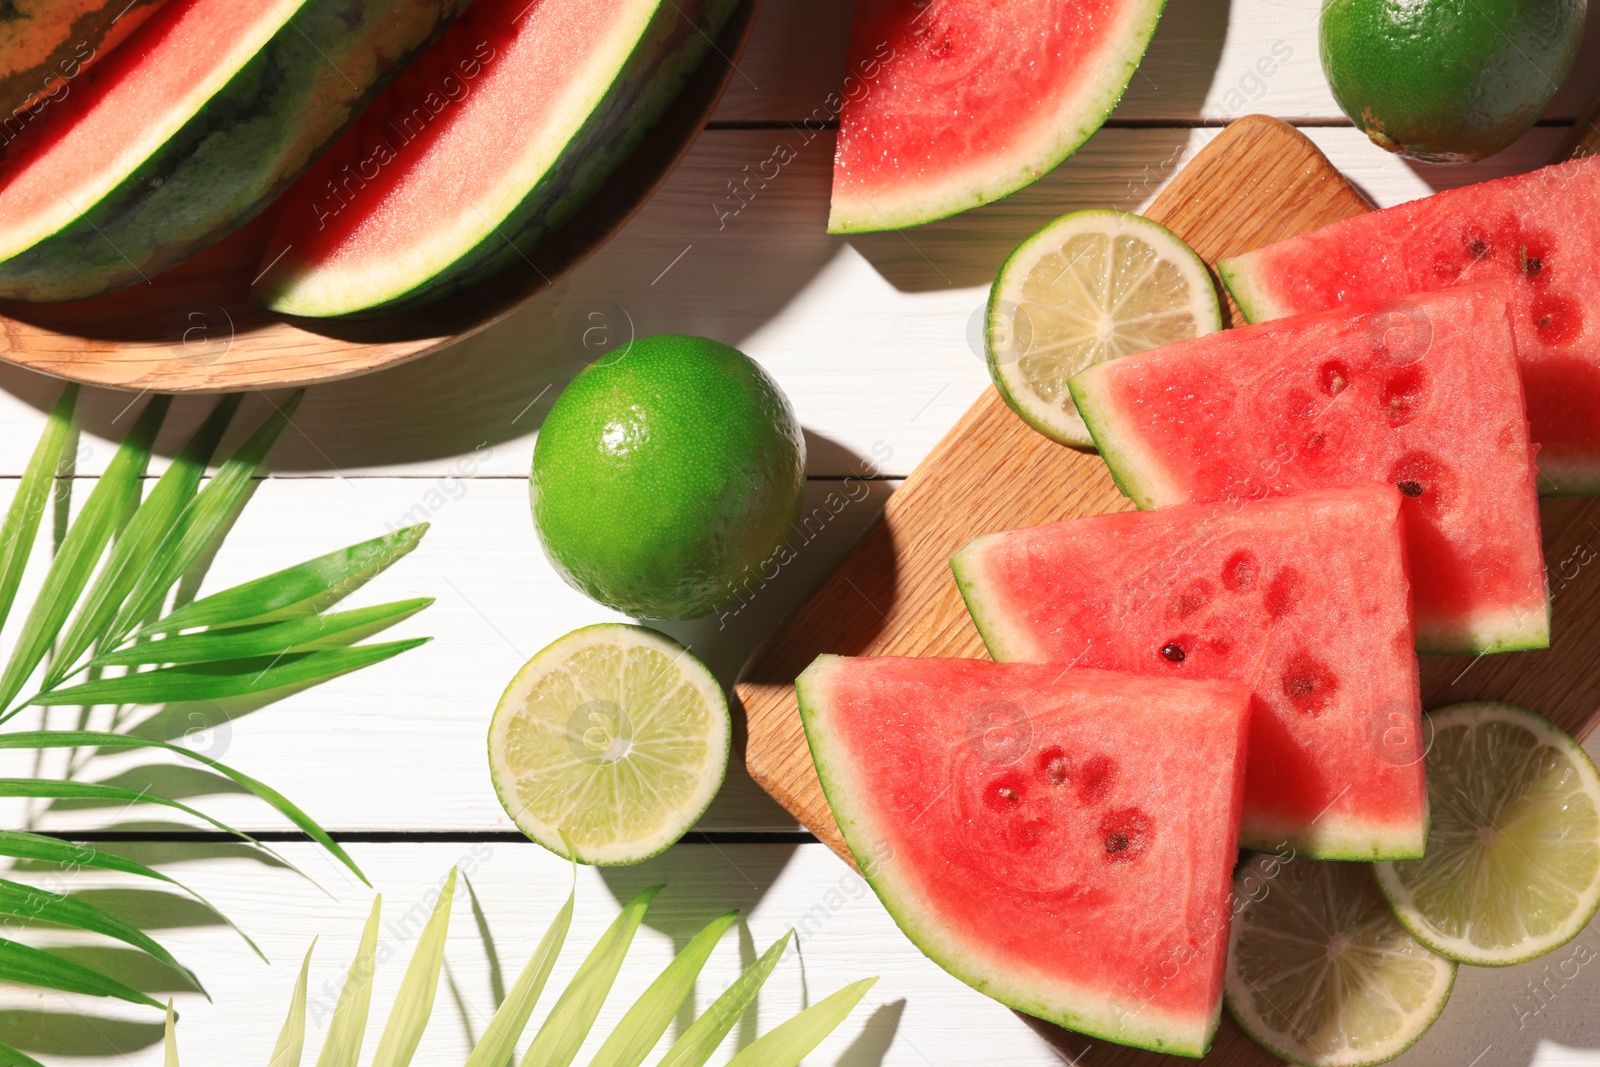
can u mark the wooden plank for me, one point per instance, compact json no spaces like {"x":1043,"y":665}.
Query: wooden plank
{"x":917,"y":1016}
{"x":1209,"y":61}
{"x":872,"y":337}
{"x":349,"y":751}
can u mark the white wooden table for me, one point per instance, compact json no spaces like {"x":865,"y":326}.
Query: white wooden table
{"x":874,"y":340}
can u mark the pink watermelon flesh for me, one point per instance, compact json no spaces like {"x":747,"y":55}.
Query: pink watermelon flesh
{"x":1421,"y":394}
{"x":1537,"y":229}
{"x":1303,"y":598}
{"x":952,"y":104}
{"x":1060,"y":840}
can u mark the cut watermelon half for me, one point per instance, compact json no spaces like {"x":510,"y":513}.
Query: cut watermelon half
{"x":1062,"y":841}
{"x":1536,"y":229}
{"x":1303,"y":598}
{"x":187,"y":131}
{"x":949,"y":104}
{"x":1422,"y":394}
{"x":497,"y":136}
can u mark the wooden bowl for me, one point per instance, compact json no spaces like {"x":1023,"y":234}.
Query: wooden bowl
{"x":194,"y":329}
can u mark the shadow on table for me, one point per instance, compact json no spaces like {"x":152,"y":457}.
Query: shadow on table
{"x":679,"y":267}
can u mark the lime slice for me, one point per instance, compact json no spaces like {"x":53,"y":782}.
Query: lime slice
{"x":614,"y":739}
{"x":1319,"y":973}
{"x":1511,"y":868}
{"x":1089,"y":287}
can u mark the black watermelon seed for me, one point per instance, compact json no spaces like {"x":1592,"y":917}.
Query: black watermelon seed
{"x":1173,"y":653}
{"x":1409,"y":488}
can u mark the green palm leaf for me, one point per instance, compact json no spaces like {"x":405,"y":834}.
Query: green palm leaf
{"x":414,"y":1003}
{"x":558,"y":1040}
{"x":499,"y":1039}
{"x":31,"y":904}
{"x":308,"y":633}
{"x":292,"y":1038}
{"x":227,"y":678}
{"x":134,"y":552}
{"x":11,"y":1057}
{"x":649,"y":1017}
{"x":27,"y":507}
{"x":343,"y":1043}
{"x":789,"y":1042}
{"x":51,"y":789}
{"x":46,"y":739}
{"x":303,"y":589}
{"x":81,"y":549}
{"x":201,"y":523}
{"x":171,"y":1050}
{"x":697,"y":1044}
{"x":35,"y":966}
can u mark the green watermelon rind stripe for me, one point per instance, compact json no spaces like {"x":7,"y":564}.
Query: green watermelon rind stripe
{"x":230,"y":159}
{"x":988,"y":615}
{"x":100,"y":27}
{"x":1121,"y":57}
{"x":675,"y":40}
{"x":811,"y":690}
{"x":1242,"y":278}
{"x":1137,"y":486}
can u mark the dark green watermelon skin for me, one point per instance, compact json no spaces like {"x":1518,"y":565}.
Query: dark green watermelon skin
{"x":46,"y":44}
{"x":679,"y":38}
{"x":267,"y":125}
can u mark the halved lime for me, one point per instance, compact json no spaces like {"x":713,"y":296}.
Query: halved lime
{"x":1089,"y":287}
{"x":1319,"y":973}
{"x":1511,"y":868}
{"x":615,"y":739}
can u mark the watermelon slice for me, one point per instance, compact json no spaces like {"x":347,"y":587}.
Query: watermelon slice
{"x":187,"y":131}
{"x":495,"y":138}
{"x":1303,"y":598}
{"x":1060,"y":840}
{"x":1422,"y":394}
{"x":950,"y":104}
{"x":1537,"y":229}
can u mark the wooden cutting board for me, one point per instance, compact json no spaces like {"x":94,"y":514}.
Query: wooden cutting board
{"x":1258,"y":182}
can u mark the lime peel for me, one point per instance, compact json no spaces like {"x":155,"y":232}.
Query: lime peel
{"x":1091,"y":286}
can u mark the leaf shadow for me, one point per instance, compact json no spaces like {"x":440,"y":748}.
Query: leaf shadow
{"x":151,"y":909}
{"x":871,"y":1046}
{"x":129,"y":966}
{"x":52,"y":1033}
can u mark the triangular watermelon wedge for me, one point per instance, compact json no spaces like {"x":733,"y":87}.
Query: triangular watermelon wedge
{"x":1061,"y":840}
{"x":1422,"y":394}
{"x":1537,"y":230}
{"x":949,"y":104}
{"x":1304,"y":598}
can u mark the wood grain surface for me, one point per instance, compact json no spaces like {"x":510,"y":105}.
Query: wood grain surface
{"x":194,"y":328}
{"x":1258,"y":182}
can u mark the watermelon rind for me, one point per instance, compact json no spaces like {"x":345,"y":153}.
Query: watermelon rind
{"x":1005,"y":644}
{"x":215,"y":161}
{"x":854,"y":213}
{"x":638,"y":70}
{"x":46,"y":44}
{"x":1487,"y":633}
{"x":1126,"y":1023}
{"x":1007,"y":293}
{"x":1131,"y":464}
{"x":1584,"y":908}
{"x":1239,"y":278}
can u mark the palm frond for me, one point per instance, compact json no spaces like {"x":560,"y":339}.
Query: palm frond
{"x":101,"y":610}
{"x":568,"y":1025}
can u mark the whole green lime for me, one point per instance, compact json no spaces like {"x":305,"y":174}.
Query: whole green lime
{"x":666,"y":475}
{"x":1448,"y":81}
